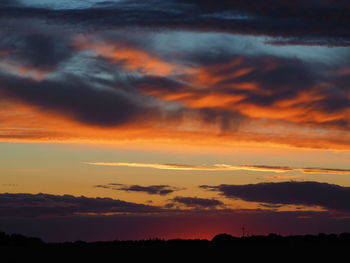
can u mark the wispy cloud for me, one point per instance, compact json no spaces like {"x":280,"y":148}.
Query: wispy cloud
{"x":160,"y":166}
{"x":222,"y":167}
{"x":152,"y":189}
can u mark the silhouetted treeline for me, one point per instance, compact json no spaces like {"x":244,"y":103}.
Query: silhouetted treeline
{"x":18,"y":240}
{"x":223,"y":244}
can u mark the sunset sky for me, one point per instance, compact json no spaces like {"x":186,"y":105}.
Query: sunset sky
{"x":130,"y":119}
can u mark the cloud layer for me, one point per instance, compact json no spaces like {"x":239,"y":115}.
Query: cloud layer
{"x":298,"y":22}
{"x":42,"y":205}
{"x":245,"y":70}
{"x":328,"y":196}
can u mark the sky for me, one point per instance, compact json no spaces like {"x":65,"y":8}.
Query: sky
{"x":129,"y":119}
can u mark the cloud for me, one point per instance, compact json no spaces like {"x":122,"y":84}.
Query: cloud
{"x":7,"y":3}
{"x":309,"y":23}
{"x":282,"y":169}
{"x":236,"y":90}
{"x":197,"y":202}
{"x":152,"y":189}
{"x":266,"y":87}
{"x":328,"y":196}
{"x":43,"y":205}
{"x":23,"y":49}
{"x":77,"y":99}
{"x":129,"y":57}
{"x":182,"y":167}
{"x":223,"y":167}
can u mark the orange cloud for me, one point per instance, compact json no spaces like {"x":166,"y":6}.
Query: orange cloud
{"x":24,"y":123}
{"x":180,"y":167}
{"x":296,"y":110}
{"x":226,"y":86}
{"x":211,"y":100}
{"x":223,"y":167}
{"x":286,"y":122}
{"x":209,"y":75}
{"x":131,"y":58}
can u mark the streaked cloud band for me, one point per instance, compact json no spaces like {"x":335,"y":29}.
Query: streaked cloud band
{"x":222,"y":167}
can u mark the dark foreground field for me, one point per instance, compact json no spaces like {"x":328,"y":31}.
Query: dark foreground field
{"x":273,"y":246}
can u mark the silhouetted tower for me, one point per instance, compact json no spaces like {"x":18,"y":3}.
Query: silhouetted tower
{"x":243,"y":231}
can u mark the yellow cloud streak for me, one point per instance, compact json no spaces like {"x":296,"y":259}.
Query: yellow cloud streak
{"x":159,"y":166}
{"x":222,"y":167}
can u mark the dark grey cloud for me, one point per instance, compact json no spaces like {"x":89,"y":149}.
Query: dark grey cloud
{"x":197,"y":202}
{"x":284,"y":81}
{"x":82,"y":99}
{"x":40,"y":50}
{"x":301,"y":20}
{"x":78,"y":99}
{"x":151,"y":189}
{"x":7,"y":3}
{"x":270,"y":7}
{"x":328,"y":196}
{"x":321,"y":22}
{"x":42,"y":205}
